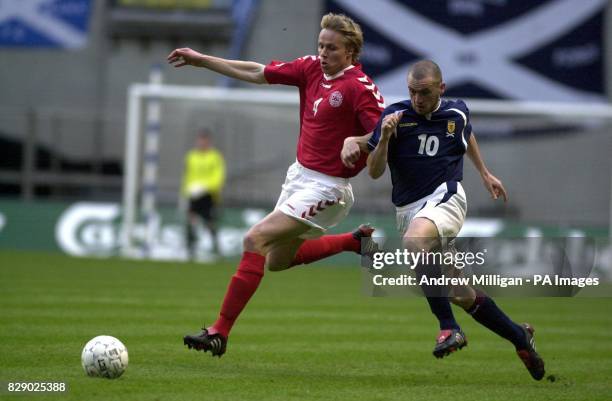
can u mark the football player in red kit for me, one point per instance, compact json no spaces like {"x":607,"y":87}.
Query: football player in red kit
{"x":337,"y":100}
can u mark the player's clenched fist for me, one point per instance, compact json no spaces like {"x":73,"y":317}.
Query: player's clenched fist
{"x":389,"y":124}
{"x":185,"y":56}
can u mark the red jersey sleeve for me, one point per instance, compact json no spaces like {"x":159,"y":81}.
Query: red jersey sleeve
{"x":288,"y":73}
{"x":369,"y":105}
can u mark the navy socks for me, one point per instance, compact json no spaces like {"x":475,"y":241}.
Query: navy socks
{"x":437,"y":297}
{"x":486,"y":312}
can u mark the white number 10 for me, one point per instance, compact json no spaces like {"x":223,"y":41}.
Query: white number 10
{"x":428,"y":144}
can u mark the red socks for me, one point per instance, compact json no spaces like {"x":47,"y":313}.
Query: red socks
{"x":242,"y":286}
{"x":250,"y":271}
{"x":327,"y":245}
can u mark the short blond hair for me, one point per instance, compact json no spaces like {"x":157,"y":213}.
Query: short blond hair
{"x":349,"y":29}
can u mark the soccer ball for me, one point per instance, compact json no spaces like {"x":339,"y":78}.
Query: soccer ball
{"x":104,"y":356}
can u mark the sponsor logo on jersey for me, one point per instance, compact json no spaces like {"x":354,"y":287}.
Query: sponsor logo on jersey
{"x":335,"y":99}
{"x":408,"y":125}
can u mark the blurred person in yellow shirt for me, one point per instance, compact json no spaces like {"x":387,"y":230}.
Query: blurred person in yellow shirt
{"x":203,"y":182}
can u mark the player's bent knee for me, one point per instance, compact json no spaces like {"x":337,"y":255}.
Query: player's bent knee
{"x":253,"y":240}
{"x":422,"y":235}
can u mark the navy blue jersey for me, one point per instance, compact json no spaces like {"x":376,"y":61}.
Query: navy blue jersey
{"x":427,"y":151}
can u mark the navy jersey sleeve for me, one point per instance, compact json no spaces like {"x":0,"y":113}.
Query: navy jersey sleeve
{"x":467,"y":129}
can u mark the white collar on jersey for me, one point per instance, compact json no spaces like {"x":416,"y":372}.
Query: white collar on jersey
{"x":338,"y":74}
{"x":428,"y":115}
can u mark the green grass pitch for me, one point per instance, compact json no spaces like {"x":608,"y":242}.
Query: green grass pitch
{"x":308,"y":334}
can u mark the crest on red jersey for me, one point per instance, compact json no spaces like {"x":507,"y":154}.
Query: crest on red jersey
{"x":335,"y":99}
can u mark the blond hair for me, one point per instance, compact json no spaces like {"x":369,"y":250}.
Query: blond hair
{"x":349,"y":29}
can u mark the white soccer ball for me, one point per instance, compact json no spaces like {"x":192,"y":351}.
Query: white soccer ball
{"x":104,"y":356}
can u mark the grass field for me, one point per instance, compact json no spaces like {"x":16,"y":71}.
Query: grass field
{"x":308,"y":334}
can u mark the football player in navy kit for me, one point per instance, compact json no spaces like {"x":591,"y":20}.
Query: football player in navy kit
{"x":423,"y":141}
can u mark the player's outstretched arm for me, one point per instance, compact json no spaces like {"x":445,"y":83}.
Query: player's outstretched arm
{"x":491,"y":183}
{"x":352,"y":148}
{"x":248,"y":71}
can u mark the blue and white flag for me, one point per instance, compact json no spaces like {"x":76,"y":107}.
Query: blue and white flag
{"x":548,"y":50}
{"x":44,"y":23}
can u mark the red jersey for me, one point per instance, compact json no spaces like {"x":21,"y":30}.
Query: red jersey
{"x":331,"y":109}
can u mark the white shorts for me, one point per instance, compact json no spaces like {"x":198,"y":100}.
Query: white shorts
{"x":314,"y":198}
{"x":446,"y":207}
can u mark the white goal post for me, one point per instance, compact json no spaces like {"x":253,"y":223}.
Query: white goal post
{"x":142,"y":116}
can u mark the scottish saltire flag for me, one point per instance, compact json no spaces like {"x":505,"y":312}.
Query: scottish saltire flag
{"x":507,"y":49}
{"x":44,"y":23}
